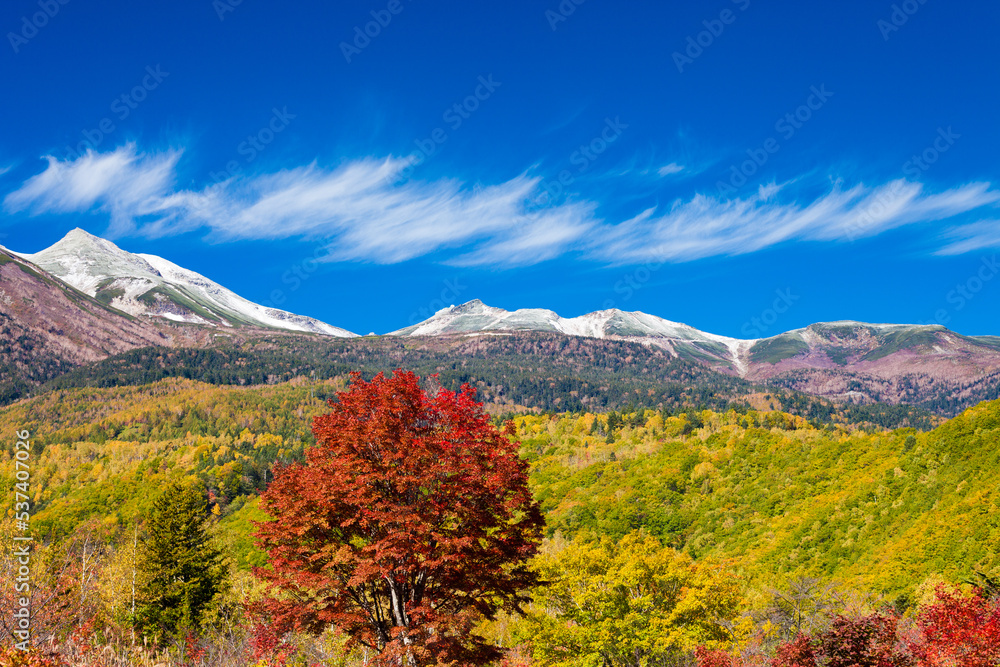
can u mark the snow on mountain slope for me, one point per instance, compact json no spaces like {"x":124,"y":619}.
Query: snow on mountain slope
{"x":471,"y":316}
{"x":828,"y":348}
{"x":477,"y":316}
{"x":681,"y":339}
{"x":150,"y":285}
{"x":222,"y":299}
{"x":84,"y":261}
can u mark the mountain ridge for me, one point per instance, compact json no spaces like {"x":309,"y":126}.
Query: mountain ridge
{"x":845,"y":361}
{"x":145,"y":284}
{"x":68,"y":260}
{"x":48,"y":327}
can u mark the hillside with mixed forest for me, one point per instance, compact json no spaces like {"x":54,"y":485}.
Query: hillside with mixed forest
{"x":875,"y":508}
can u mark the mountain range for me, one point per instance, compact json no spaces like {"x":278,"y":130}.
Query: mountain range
{"x":140,"y":284}
{"x":85,"y":299}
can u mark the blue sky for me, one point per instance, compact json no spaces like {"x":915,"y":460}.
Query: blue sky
{"x":710,"y":162}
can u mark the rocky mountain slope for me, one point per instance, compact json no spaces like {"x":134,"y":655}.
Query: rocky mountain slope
{"x":845,"y":361}
{"x":678,"y":339}
{"x":84,"y":300}
{"x":147,"y":285}
{"x":853,"y":361}
{"x":47,"y":328}
{"x":96,"y":300}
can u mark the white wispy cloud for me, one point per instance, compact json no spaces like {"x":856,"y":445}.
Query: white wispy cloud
{"x":668,"y":169}
{"x":981,"y":235}
{"x":365,"y":213}
{"x":358,"y":205}
{"x":123,"y":183}
{"x":704,"y":226}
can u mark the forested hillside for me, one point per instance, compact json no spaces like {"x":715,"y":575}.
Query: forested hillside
{"x":106,"y":452}
{"x":742,"y":503}
{"x":882,"y":511}
{"x":513,"y":373}
{"x":528,"y":370}
{"x":766,"y":486}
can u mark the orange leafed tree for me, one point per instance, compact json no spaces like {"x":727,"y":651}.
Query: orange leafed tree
{"x":409,"y":521}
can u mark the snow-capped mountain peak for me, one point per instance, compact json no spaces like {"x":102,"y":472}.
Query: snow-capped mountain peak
{"x":84,"y":260}
{"x":680,"y":339}
{"x":141,"y":284}
{"x":475,"y":316}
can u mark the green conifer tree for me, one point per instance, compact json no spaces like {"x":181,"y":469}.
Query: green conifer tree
{"x":614,"y":421}
{"x":183,"y":570}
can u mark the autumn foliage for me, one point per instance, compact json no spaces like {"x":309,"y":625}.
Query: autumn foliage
{"x":13,"y":657}
{"x":408,"y":522}
{"x":869,"y":641}
{"x":952,"y":631}
{"x":958,"y":630}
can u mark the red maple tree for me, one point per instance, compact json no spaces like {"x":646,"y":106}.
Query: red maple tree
{"x":957,"y":630}
{"x":409,"y":521}
{"x":797,"y":653}
{"x":867,"y":641}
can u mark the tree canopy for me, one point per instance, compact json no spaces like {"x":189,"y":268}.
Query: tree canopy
{"x":408,"y":522}
{"x":183,"y":571}
{"x":627,"y":603}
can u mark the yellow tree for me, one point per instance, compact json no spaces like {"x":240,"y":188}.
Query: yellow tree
{"x":630,"y":603}
{"x":122,"y":580}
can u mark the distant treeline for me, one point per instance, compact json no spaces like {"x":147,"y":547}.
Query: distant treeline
{"x":524,"y":371}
